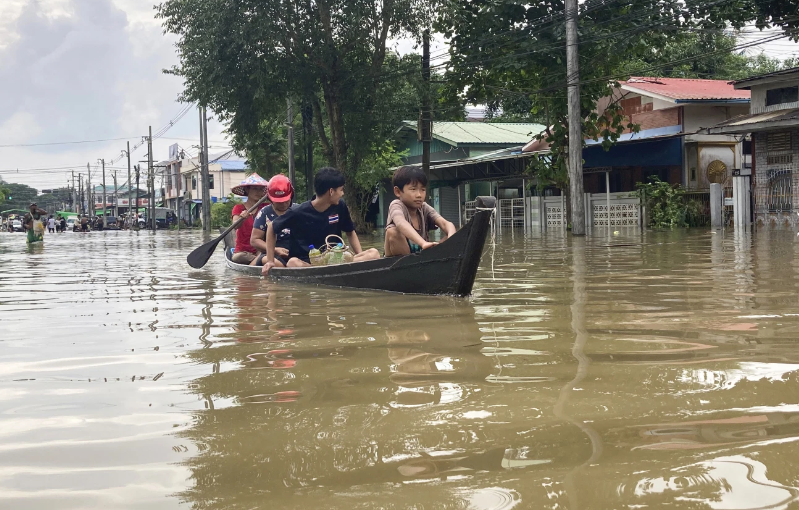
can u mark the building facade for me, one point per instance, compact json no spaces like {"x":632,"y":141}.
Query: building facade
{"x":773,"y":124}
{"x":672,"y":144}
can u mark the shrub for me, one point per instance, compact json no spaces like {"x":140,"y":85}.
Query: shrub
{"x":222,"y":212}
{"x":664,"y":203}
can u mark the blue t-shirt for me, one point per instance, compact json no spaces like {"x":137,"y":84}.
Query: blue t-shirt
{"x":266,"y":216}
{"x":310,"y":227}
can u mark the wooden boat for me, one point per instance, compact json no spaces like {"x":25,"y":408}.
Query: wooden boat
{"x":449,"y":268}
{"x":230,"y":243}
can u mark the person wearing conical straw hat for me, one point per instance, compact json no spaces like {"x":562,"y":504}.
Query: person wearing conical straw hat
{"x":253,"y":187}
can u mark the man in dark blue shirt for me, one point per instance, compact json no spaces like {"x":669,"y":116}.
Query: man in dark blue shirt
{"x":280,"y":192}
{"x":313,"y":221}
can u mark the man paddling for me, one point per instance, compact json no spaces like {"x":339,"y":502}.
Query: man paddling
{"x":313,"y":221}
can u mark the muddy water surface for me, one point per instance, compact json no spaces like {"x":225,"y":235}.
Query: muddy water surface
{"x":638,"y":372}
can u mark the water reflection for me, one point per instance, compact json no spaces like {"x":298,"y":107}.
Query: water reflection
{"x":658,"y":369}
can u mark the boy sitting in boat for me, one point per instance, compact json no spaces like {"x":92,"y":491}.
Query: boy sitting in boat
{"x":313,"y":221}
{"x":410,"y":218}
{"x":280,"y":193}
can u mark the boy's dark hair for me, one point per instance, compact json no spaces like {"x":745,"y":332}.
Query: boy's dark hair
{"x":405,"y":175}
{"x":327,"y":178}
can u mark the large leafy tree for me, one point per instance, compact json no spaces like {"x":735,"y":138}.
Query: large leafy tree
{"x":18,"y":196}
{"x":717,"y":58}
{"x":243,"y":58}
{"x":514,"y":52}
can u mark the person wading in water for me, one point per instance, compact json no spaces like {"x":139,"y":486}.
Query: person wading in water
{"x":34,"y":224}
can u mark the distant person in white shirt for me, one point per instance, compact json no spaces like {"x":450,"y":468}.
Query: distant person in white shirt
{"x":51,"y":224}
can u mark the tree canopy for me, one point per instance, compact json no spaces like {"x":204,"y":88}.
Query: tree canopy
{"x":243,"y":58}
{"x":17,"y":196}
{"x":511,"y":55}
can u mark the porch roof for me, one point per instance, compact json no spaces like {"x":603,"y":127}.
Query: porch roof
{"x":767,"y":121}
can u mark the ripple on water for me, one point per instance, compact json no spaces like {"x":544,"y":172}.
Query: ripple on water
{"x":656,"y":369}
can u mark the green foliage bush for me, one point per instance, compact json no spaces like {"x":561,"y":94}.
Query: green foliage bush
{"x":664,"y":203}
{"x":222,"y":212}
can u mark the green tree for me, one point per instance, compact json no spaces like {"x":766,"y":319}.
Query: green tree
{"x":514,"y":53}
{"x":243,"y":58}
{"x":721,"y":61}
{"x":4,"y":192}
{"x":222,"y":212}
{"x":18,"y":196}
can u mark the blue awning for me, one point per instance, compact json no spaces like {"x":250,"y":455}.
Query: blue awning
{"x":652,"y":152}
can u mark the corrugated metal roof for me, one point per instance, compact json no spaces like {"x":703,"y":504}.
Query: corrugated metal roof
{"x":783,"y":72}
{"x":757,"y":122}
{"x":687,"y":88}
{"x":482,"y":133}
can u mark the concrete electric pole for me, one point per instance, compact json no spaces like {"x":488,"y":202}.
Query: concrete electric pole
{"x":426,"y":115}
{"x":150,"y":179}
{"x":575,"y":122}
{"x":204,"y":171}
{"x":290,"y":137}
{"x":130,"y":202}
{"x":105,"y":224}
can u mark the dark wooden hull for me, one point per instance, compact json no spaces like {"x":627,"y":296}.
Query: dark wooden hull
{"x":448,"y":268}
{"x":230,"y":242}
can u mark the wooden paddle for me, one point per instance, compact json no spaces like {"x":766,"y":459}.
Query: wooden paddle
{"x":200,"y":256}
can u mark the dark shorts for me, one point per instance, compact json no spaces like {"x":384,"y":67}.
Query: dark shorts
{"x":415,"y":248}
{"x":260,"y":260}
{"x":85,"y":228}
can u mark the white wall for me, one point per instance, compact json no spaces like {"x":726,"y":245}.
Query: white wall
{"x":759,"y":94}
{"x":696,"y":117}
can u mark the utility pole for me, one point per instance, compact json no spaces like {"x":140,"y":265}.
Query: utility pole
{"x":116,"y":197}
{"x":575,"y":123}
{"x":129,"y":181}
{"x":81,"y":209}
{"x":74,"y":202}
{"x":307,"y":130}
{"x":290,"y":137}
{"x":151,"y":179}
{"x":426,"y":129}
{"x":204,"y":171}
{"x":105,"y":224}
{"x":137,"y":193}
{"x":89,"y":190}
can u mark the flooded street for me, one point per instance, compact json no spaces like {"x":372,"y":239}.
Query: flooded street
{"x":648,"y":371}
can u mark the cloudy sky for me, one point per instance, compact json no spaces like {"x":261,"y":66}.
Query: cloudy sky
{"x":77,"y":70}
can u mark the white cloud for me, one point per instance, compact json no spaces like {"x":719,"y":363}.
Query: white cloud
{"x":84,"y":70}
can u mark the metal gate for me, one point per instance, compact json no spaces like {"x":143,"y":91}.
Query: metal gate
{"x":511,"y":212}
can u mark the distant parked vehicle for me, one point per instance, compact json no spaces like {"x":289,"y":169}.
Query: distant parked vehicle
{"x":72,"y":222}
{"x":17,"y":225}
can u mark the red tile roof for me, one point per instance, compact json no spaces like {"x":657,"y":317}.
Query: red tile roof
{"x":688,"y":89}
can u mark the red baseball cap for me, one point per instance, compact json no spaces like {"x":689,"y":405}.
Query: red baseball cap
{"x":280,"y":189}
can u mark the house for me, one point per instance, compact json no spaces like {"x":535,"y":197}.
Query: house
{"x":773,"y":122}
{"x":476,"y":146}
{"x":183,"y":188}
{"x":671,"y":143}
{"x":117,"y":199}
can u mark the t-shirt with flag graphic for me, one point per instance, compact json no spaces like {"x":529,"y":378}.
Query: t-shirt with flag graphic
{"x":310,"y":227}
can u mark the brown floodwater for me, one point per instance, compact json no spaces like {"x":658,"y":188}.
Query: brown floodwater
{"x":630,"y":371}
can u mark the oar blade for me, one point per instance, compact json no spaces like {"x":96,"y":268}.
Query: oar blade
{"x":200,"y":256}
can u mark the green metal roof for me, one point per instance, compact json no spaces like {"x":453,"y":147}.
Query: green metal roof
{"x":481,"y":133}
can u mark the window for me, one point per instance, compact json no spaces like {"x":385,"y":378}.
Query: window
{"x":782,"y":95}
{"x":194,"y":182}
{"x":780,"y":191}
{"x":211,"y":181}
{"x":778,"y":141}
